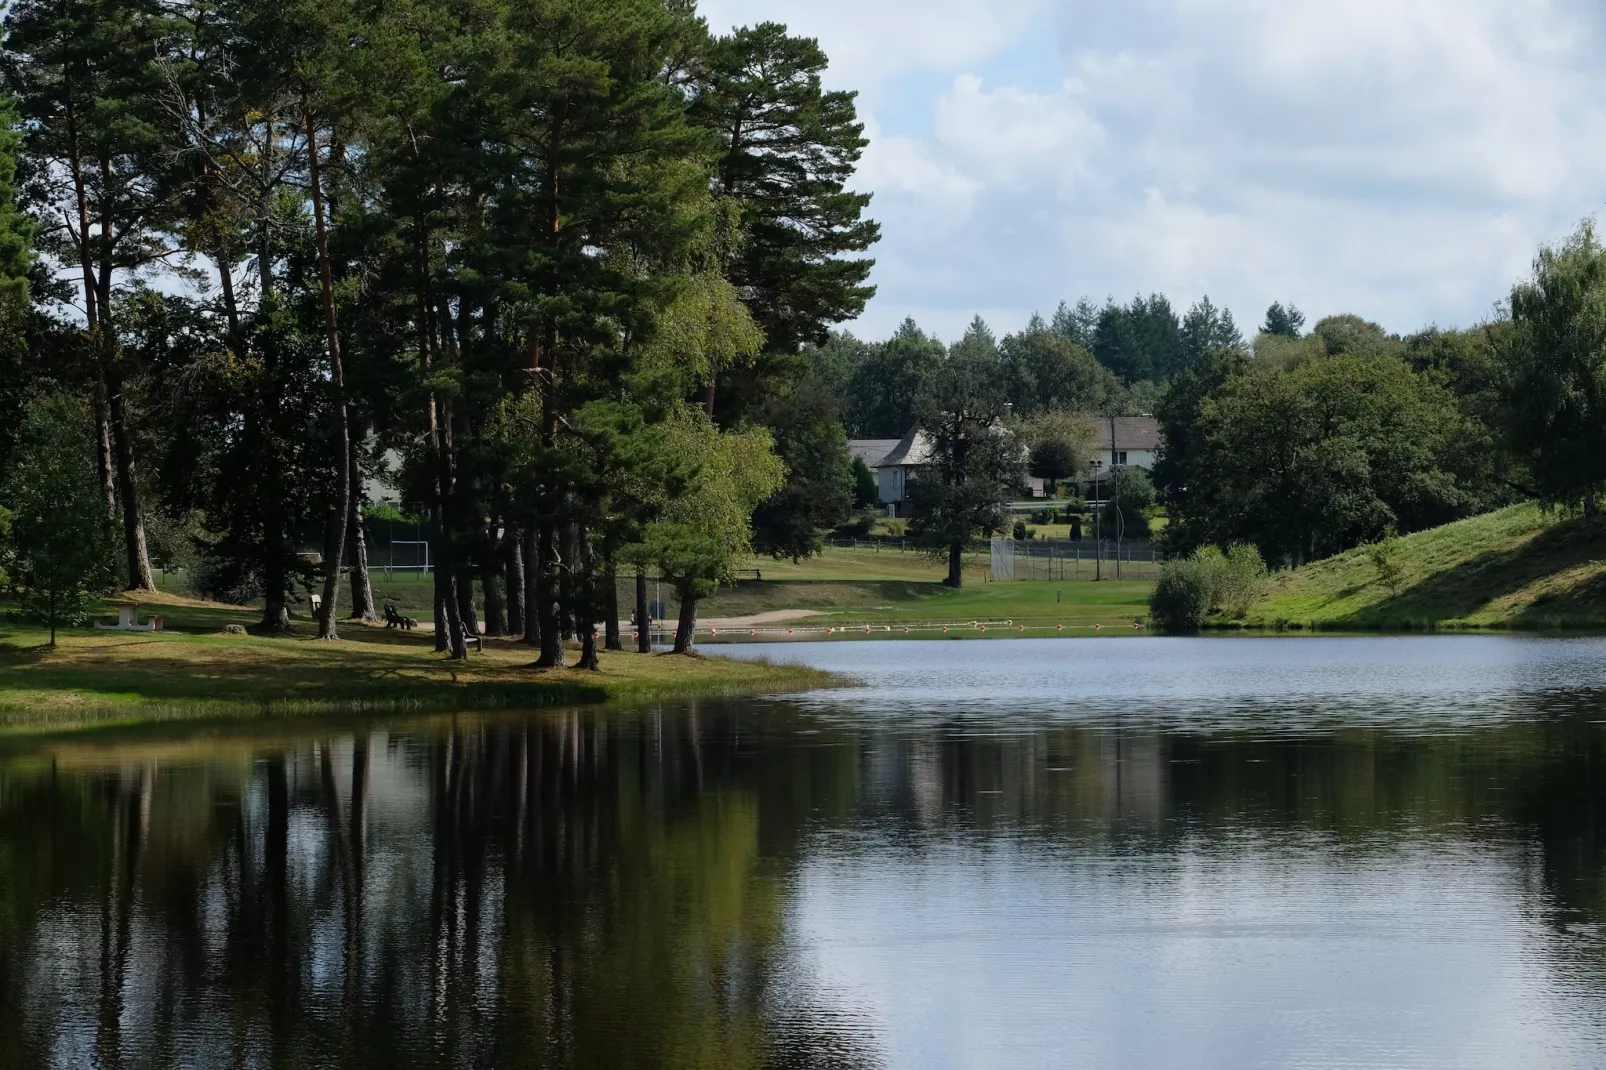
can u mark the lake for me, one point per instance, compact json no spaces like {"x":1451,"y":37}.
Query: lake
{"x":1121,"y":852}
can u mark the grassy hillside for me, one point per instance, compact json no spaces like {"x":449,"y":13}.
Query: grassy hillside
{"x":1516,"y":568}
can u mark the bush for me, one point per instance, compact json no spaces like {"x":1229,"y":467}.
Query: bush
{"x":1243,"y":580}
{"x":1385,"y":555}
{"x":1022,"y":532}
{"x":1192,"y":588}
{"x":865,"y":493}
{"x":1182,"y":598}
{"x":1042,"y":516}
{"x":857,"y":527}
{"x":220,"y":577}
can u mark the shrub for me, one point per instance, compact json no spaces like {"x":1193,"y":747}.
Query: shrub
{"x":1042,"y":516}
{"x":1192,"y":588}
{"x":1022,"y":532}
{"x":1182,"y":598}
{"x":857,"y":527}
{"x":1385,"y":554}
{"x":865,"y":493}
{"x":1243,"y":580}
{"x":225,"y":578}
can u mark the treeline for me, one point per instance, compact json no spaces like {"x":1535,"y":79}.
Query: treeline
{"x":1308,"y":444}
{"x":1114,"y":359}
{"x":560,"y":256}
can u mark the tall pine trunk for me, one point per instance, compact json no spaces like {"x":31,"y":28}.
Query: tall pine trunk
{"x":546,"y":599}
{"x":138,"y":557}
{"x":342,"y":505}
{"x":362,"y":590}
{"x":532,"y":589}
{"x":686,"y":627}
{"x":103,"y":447}
{"x":469,"y":620}
{"x":585,"y":599}
{"x":956,"y":565}
{"x":495,"y":606}
{"x":513,"y":564}
{"x":610,"y":605}
{"x":643,"y":622}
{"x":275,"y":570}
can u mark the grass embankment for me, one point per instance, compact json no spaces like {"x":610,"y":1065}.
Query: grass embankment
{"x":1518,"y":568}
{"x":854,"y":588}
{"x":191,"y":671}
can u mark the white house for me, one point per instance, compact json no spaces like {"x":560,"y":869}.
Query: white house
{"x":1123,"y":441}
{"x":871,"y":450}
{"x":898,"y":464}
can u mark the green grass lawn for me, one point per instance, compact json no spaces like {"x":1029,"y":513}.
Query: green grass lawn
{"x":895,"y":589}
{"x":1516,"y":568}
{"x":189,"y":671}
{"x":1039,"y":608}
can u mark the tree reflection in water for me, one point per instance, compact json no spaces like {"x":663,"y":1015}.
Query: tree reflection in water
{"x":612,"y":888}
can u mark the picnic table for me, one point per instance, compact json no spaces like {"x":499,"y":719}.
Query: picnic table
{"x":128,"y":618}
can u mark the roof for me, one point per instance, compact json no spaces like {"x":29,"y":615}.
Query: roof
{"x":1131,"y":432}
{"x":871,"y":450}
{"x":912,"y":449}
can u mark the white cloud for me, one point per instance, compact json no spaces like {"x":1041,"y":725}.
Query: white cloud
{"x":870,"y":41}
{"x":901,"y":165}
{"x":1400,"y":159}
{"x":1009,"y":133}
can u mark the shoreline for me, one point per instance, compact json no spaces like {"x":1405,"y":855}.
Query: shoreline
{"x":118,"y":680}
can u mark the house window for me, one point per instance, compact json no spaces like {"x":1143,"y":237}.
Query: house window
{"x":1120,"y":457}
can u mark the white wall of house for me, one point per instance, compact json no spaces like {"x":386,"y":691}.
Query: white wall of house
{"x":890,"y":483}
{"x":1143,"y":459}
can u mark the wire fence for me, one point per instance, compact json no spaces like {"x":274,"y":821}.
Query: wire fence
{"x":1043,"y":560}
{"x":1065,"y":560}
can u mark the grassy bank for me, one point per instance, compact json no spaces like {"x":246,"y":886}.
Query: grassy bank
{"x":1518,"y":568}
{"x":1041,"y":608}
{"x":193,"y":671}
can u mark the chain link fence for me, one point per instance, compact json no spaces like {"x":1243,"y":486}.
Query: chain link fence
{"x":1065,"y":560}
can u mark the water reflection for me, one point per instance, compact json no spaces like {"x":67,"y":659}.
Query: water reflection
{"x":801,"y":883}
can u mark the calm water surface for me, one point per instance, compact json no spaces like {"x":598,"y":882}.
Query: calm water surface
{"x":1307,"y":852}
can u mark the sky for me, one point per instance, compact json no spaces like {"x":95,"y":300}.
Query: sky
{"x":1397,"y":159}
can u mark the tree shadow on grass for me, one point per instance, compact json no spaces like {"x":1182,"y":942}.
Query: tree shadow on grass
{"x":1467,"y":588}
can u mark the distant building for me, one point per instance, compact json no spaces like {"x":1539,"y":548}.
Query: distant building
{"x":900,"y":460}
{"x":907,"y":455}
{"x":1123,"y":441}
{"x":1118,"y":442}
{"x":871,"y":450}
{"x":381,"y":486}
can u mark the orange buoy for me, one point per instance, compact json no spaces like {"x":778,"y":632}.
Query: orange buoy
{"x":1021,"y":628}
{"x":751,"y":632}
{"x":1059,"y":627}
{"x":906,"y":631}
{"x":788,"y":631}
{"x":945,"y":629}
{"x":1098,"y":627}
